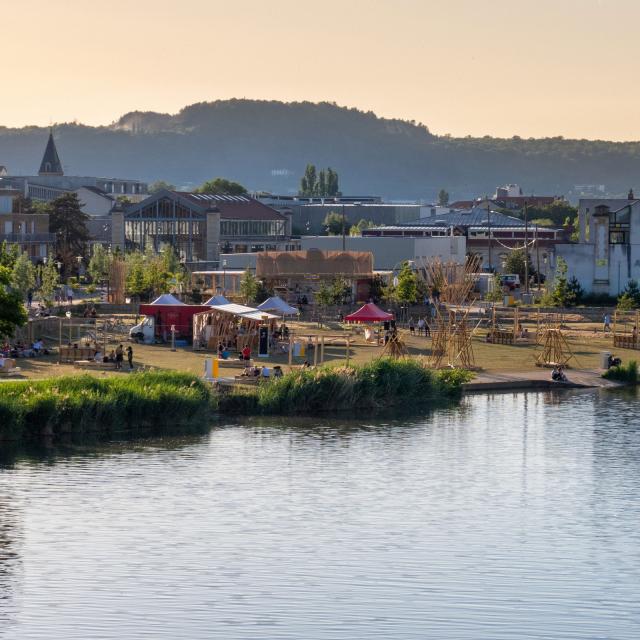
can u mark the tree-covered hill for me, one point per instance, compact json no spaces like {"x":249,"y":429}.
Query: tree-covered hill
{"x":266,"y":146}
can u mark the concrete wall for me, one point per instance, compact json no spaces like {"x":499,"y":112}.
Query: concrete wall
{"x":389,"y":251}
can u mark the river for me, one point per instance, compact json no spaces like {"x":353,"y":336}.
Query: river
{"x":511,"y":516}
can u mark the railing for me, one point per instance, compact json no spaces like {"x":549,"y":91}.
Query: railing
{"x":25,"y":238}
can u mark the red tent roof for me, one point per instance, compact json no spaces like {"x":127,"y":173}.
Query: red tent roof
{"x":369,"y":313}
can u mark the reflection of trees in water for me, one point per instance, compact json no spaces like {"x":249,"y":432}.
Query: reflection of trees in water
{"x":10,"y":559}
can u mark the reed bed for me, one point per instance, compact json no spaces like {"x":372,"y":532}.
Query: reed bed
{"x":138,"y":402}
{"x":379,"y":384}
{"x":627,"y":373}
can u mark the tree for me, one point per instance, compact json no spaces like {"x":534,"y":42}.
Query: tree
{"x":99,"y":263}
{"x":632,"y":290}
{"x":407,"y":289}
{"x":576,"y":292}
{"x":333,"y":223}
{"x":160,"y":185}
{"x":308,"y":181}
{"x":358,"y":228}
{"x":340,"y":290}
{"x":8,"y":254}
{"x":515,"y":264}
{"x":222,"y":187}
{"x":249,"y":286}
{"x":23,"y":278}
{"x":626,"y":302}
{"x":49,"y":280}
{"x":69,"y":223}
{"x":561,"y":294}
{"x":323,"y":184}
{"x":333,"y":185}
{"x":443,"y":198}
{"x":135,"y":281}
{"x":12,"y":311}
{"x":324,"y":296}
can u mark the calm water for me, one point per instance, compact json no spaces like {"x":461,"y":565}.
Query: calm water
{"x":513,"y":516}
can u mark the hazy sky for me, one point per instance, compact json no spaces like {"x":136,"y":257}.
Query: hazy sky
{"x":499,"y":67}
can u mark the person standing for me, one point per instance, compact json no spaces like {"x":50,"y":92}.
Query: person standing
{"x":606,"y":323}
{"x":119,"y":356}
{"x":130,"y":357}
{"x":412,"y":326}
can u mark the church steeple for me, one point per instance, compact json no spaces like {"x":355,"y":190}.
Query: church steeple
{"x":50,"y":165}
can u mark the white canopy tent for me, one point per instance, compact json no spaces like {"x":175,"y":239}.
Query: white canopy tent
{"x":216,"y":301}
{"x":277,"y":305}
{"x":167,"y":298}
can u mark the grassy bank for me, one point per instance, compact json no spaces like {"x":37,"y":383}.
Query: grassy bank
{"x":149,"y":402}
{"x":84,"y":404}
{"x":376,"y":385}
{"x":624,"y":373}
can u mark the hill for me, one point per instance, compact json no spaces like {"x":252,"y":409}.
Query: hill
{"x":266,"y":145}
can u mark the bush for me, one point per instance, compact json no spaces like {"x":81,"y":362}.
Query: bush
{"x":624,"y":373}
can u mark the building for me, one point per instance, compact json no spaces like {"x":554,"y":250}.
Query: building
{"x":201,"y":226}
{"x":51,"y":182}
{"x":607,"y":254}
{"x":28,"y":230}
{"x":489,"y":234}
{"x":391,"y":251}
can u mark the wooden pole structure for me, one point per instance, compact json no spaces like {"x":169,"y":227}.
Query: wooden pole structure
{"x":59,"y":340}
{"x":322,"y":350}
{"x":516,"y":323}
{"x":315,"y":353}
{"x":348,"y":349}
{"x":290,"y":350}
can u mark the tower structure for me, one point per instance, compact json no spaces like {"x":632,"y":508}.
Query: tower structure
{"x":51,"y":165}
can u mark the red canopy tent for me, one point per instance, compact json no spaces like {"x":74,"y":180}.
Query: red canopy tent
{"x":369,"y":313}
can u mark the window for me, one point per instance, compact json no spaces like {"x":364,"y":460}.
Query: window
{"x":617,"y":237}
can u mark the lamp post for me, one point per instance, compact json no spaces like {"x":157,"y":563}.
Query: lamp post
{"x":68,"y":314}
{"x":173,"y":337}
{"x":224,"y":276}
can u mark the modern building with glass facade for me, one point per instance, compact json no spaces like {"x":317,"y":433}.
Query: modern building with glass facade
{"x":201,"y":226}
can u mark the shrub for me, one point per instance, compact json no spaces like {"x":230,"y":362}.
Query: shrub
{"x":624,"y":373}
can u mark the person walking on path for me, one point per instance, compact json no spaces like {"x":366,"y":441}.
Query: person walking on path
{"x":119,"y":356}
{"x":606,"y":323}
{"x":130,"y":357}
{"x":412,"y":326}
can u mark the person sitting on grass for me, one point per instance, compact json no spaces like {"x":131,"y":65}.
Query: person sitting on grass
{"x":277,"y":371}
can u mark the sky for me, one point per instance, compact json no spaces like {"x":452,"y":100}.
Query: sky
{"x":531,"y":68}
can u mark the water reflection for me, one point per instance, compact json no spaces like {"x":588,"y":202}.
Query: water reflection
{"x":511,"y":516}
{"x":10,"y":559}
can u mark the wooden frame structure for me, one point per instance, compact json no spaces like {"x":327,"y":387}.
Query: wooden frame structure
{"x":625,"y":329}
{"x":555,"y":349}
{"x":451,"y":330}
{"x":231,"y":326}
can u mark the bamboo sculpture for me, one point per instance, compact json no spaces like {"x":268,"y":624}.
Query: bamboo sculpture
{"x":451,"y":333}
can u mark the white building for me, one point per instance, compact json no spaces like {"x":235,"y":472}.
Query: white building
{"x":607,"y":254}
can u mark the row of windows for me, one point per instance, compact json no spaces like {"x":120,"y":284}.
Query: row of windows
{"x":236,"y":228}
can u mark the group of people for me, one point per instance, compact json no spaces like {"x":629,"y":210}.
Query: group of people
{"x":422,"y":325}
{"x":22,"y":350}
{"x":263,"y":371}
{"x":558,"y":375}
{"x":90,"y":312}
{"x":116,"y":356}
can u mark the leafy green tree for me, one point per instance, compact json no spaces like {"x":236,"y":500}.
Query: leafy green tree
{"x":359,"y":227}
{"x":223,"y":187}
{"x":407,"y":289}
{"x":333,"y":224}
{"x":576,"y":292}
{"x":308,"y":182}
{"x":160,"y":185}
{"x":333,"y":183}
{"x":626,"y":302}
{"x":443,"y":198}
{"x":23,"y":277}
{"x":99,"y":263}
{"x":632,"y":290}
{"x":8,"y":254}
{"x":340,"y":290}
{"x":49,"y":280}
{"x":12,"y":311}
{"x":69,"y":223}
{"x":324,"y":295}
{"x":561,"y":293}
{"x":515,"y":263}
{"x":249,"y":286}
{"x":135,"y":280}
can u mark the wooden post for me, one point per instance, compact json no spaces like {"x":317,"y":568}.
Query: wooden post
{"x":290,"y":350}
{"x":59,"y":340}
{"x":322,"y":350}
{"x":315,"y":353}
{"x":348,"y":349}
{"x":516,"y":322}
